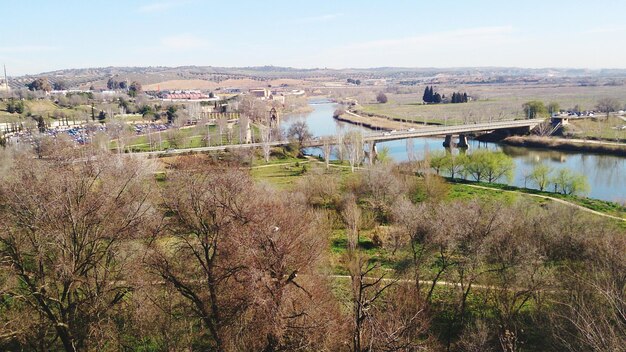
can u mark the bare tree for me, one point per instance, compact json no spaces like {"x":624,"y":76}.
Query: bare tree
{"x":353,"y":145}
{"x":299,"y":133}
{"x":61,"y":236}
{"x":244,"y":128}
{"x":234,"y":253}
{"x":327,"y":150}
{"x":608,"y":105}
{"x":222,"y":124}
{"x":266,"y":140}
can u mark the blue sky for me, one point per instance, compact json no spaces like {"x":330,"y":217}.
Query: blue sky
{"x":39,"y":35}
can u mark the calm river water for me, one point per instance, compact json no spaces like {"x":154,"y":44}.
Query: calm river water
{"x":606,"y":174}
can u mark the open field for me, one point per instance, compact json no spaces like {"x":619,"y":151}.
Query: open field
{"x":211,"y":85}
{"x":189,"y":137}
{"x":598,"y":128}
{"x":495,"y":102}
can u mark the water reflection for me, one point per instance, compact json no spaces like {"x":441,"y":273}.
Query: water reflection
{"x":606,"y":173}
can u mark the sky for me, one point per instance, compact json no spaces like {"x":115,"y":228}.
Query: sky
{"x":38,"y":36}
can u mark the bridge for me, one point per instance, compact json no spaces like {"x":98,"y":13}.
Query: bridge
{"x":372,"y":138}
{"x":431,"y":131}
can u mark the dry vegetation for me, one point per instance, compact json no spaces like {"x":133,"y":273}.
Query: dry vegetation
{"x":99,"y":254}
{"x":495,"y":102}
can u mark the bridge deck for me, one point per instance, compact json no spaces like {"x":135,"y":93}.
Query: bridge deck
{"x":446,"y":130}
{"x":374,"y":137}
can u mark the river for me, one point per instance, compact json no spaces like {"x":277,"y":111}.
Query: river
{"x":606,"y":173}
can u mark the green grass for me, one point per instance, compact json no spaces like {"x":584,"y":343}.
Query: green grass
{"x":462,"y":190}
{"x":182,"y":138}
{"x":599,"y":128}
{"x":281,"y":176}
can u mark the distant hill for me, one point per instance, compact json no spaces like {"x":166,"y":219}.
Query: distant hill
{"x":208,"y":77}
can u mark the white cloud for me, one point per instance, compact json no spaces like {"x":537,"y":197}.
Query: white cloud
{"x":183,"y":42}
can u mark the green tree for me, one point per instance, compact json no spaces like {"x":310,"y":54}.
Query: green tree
{"x":499,"y":166}
{"x":454,"y":164}
{"x":171,"y":113}
{"x":134,"y":89}
{"x":102,"y":116}
{"x":540,"y":176}
{"x":477,"y":164}
{"x":427,"y":95}
{"x":112,"y":83}
{"x":15,"y":106}
{"x":534,"y":109}
{"x":567,"y":182}
{"x":438,"y":160}
{"x":40,"y":84}
{"x":60,"y":85}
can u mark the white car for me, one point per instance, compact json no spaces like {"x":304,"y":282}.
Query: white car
{"x":411,"y":129}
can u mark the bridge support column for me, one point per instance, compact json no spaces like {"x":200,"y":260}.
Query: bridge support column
{"x":372,"y":152}
{"x":462,"y":141}
{"x":447,"y":143}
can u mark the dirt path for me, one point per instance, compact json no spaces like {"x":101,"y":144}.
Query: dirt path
{"x":281,"y":164}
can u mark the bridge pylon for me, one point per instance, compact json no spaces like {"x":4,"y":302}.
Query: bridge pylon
{"x":462,"y":141}
{"x":447,"y":142}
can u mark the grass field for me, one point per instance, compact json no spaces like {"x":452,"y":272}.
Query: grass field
{"x":45,"y":108}
{"x":183,"y":138}
{"x":598,"y":128}
{"x":495,"y":102}
{"x":462,"y":190}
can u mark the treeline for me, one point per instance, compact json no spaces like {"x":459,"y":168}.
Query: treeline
{"x":133,"y":88}
{"x":98,"y":254}
{"x":432,"y":97}
{"x":15,"y":106}
{"x":458,"y":97}
{"x":491,"y":167}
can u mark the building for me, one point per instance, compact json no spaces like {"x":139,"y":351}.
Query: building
{"x":189,"y":96}
{"x":260,"y":93}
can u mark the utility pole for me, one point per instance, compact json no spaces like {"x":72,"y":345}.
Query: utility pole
{"x":6,"y":80}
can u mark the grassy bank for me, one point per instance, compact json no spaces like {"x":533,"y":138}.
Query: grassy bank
{"x":566,"y":145}
{"x":601,"y":206}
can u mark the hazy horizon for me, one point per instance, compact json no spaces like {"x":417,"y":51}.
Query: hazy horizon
{"x":330,"y":68}
{"x":42,"y":36}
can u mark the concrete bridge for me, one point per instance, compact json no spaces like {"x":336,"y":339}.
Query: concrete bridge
{"x":430,"y":131}
{"x":517,"y":126}
{"x":520,"y":126}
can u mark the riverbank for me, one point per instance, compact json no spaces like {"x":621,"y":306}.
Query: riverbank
{"x":599,"y":147}
{"x":595,"y":206}
{"x":372,"y":122}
